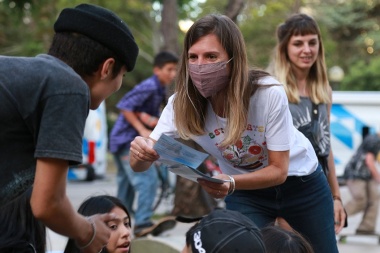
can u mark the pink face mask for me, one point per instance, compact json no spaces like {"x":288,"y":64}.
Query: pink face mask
{"x":210,"y":78}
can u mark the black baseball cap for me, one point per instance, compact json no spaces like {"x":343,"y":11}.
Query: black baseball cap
{"x":225,"y":231}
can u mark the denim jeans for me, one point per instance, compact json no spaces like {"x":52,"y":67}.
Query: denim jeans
{"x":304,"y":202}
{"x":130,"y":183}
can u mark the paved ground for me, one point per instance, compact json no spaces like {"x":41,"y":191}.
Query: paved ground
{"x":78,"y":191}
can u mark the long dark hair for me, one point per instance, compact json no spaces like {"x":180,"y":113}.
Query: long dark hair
{"x":94,"y":205}
{"x":279,"y":240}
{"x":20,"y":231}
{"x":190,"y":107}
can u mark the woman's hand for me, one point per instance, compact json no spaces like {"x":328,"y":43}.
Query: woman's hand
{"x":216,"y":190}
{"x":142,"y":154}
{"x":339,"y":215}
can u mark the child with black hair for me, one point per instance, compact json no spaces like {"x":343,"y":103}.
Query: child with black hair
{"x":281,"y":240}
{"x":120,"y":238}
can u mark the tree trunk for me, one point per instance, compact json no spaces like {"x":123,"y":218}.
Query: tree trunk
{"x":169,"y":26}
{"x":233,"y":9}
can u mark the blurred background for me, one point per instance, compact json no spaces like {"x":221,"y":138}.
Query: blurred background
{"x":350,"y":32}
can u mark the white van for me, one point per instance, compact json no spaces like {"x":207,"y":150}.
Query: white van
{"x":353,"y":115}
{"x":95,"y":141}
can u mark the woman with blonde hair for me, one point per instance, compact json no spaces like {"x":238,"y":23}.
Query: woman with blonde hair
{"x":299,"y":64}
{"x":241,"y":117}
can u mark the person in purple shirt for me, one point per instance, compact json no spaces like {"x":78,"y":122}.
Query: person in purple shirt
{"x":138,"y":110}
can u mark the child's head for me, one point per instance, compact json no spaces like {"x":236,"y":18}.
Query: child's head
{"x":165,"y":67}
{"x":224,"y":231}
{"x":120,"y":238}
{"x":277,"y":239}
{"x":88,"y":34}
{"x":98,"y":45}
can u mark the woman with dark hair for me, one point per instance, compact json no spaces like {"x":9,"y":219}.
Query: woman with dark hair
{"x":120,"y":238}
{"x":20,"y":231}
{"x":279,"y":240}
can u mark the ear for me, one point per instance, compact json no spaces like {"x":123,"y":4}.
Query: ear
{"x":106,"y":68}
{"x":156,"y":70}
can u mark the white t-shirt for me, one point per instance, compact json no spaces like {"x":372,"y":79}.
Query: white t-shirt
{"x":270,"y":126}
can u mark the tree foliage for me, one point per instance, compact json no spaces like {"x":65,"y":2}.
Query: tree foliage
{"x":354,"y":27}
{"x":350,"y":29}
{"x":363,"y":75}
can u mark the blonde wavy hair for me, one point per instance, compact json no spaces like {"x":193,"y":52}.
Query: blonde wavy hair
{"x":317,"y":82}
{"x":190,"y":106}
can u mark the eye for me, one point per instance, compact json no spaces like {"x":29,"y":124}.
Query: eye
{"x":127,"y":224}
{"x":192,"y":58}
{"x":313,"y":43}
{"x":112,"y":226}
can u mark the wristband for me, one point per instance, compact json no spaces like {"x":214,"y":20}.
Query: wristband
{"x":92,"y":237}
{"x":337,"y":198}
{"x":232,"y":185}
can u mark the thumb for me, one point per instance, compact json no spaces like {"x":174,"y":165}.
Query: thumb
{"x":149,"y":142}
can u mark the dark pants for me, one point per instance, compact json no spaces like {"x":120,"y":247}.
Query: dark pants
{"x":304,"y":202}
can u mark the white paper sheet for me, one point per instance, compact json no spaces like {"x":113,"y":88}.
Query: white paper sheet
{"x":181,"y":159}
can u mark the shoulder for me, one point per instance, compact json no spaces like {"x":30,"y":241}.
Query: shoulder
{"x":268,"y":80}
{"x":149,"y":84}
{"x":151,"y":81}
{"x":59,"y":71}
{"x":271,"y":88}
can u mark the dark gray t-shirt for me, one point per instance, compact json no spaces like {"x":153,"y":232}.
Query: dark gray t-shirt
{"x":302,"y":115}
{"x":43,"y":109}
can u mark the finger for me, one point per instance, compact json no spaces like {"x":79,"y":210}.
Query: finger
{"x":106,"y":217}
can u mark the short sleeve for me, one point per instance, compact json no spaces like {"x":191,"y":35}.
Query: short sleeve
{"x":61,"y":127}
{"x":166,"y":123}
{"x":279,"y":127}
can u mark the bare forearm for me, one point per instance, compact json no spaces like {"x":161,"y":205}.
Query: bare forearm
{"x":331,"y":177}
{"x":266,"y":177}
{"x":371,"y":164}
{"x":273,"y":174}
{"x":59,"y":215}
{"x":50,"y":204}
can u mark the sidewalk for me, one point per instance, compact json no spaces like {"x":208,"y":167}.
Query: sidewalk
{"x":174,"y":240}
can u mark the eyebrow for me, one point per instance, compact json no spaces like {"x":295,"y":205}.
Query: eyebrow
{"x":207,"y":52}
{"x":123,"y":219}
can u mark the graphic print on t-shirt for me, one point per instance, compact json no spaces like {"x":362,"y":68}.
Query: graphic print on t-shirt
{"x":249,"y":152}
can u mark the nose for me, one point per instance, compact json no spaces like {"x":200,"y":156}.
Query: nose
{"x":126,"y":231}
{"x":306,"y":48}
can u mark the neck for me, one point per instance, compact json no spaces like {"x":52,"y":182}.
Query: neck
{"x":301,"y":78}
{"x":218,"y":105}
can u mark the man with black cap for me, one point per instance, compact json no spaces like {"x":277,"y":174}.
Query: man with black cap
{"x":44,"y":102}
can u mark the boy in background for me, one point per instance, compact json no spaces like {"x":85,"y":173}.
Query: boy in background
{"x":139,"y":110}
